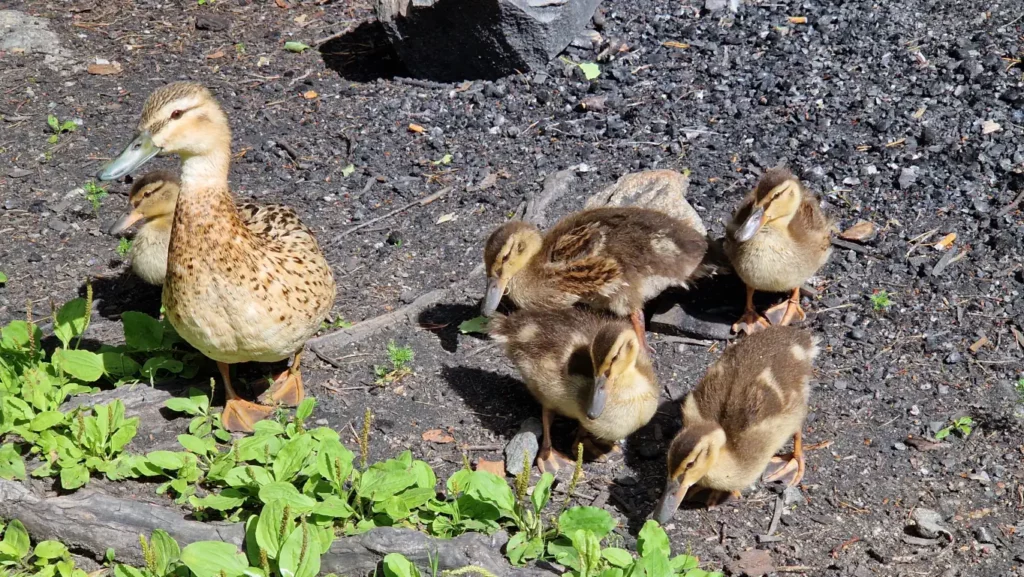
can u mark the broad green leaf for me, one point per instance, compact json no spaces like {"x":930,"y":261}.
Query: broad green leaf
{"x":124,"y":435}
{"x":485,"y":486}
{"x":652,"y":540}
{"x":126,"y":571}
{"x":226,"y":500}
{"x":46,"y":420}
{"x":521,"y":549}
{"x":290,"y":459}
{"x":396,"y":565}
{"x":564,"y":553}
{"x":475,"y":325}
{"x":611,"y":572}
{"x":590,"y":70}
{"x":652,"y":564}
{"x":682,"y":563}
{"x":214,"y":559}
{"x":49,"y":549}
{"x":157,"y":364}
{"x":305,"y":409}
{"x":248,"y":476}
{"x":183,"y":405}
{"x":333,"y":507}
{"x":83,"y":365}
{"x":71,"y":321}
{"x":588,"y":550}
{"x":16,"y":539}
{"x":425,"y":478}
{"x":295,"y":47}
{"x":268,"y":528}
{"x":617,"y":557}
{"x":12,"y":466}
{"x":116,"y":364}
{"x":300,"y":555}
{"x":597,"y":521}
{"x":166,"y":549}
{"x":194,"y":444}
{"x":417,"y":497}
{"x":167,"y":460}
{"x":287,"y":494}
{"x":74,"y":477}
{"x":15,"y":334}
{"x":334,"y":462}
{"x":382,"y":481}
{"x":3,"y":277}
{"x":542,"y":492}
{"x":141,"y":331}
{"x":52,"y":122}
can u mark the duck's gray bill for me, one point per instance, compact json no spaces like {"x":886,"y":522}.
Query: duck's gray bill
{"x":132,"y":157}
{"x":751,"y":225}
{"x":598,"y":397}
{"x":494,"y":293}
{"x":670,"y":499}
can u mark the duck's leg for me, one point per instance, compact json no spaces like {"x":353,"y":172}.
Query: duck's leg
{"x":718,"y":497}
{"x":548,"y":459}
{"x":594,"y":449}
{"x":287,"y":389}
{"x":640,"y":326}
{"x":788,"y":468}
{"x":750,"y":321}
{"x":784,"y":312}
{"x":239,"y":414}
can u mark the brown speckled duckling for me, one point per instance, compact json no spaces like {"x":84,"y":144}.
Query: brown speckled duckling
{"x":234,"y":291}
{"x":749,"y":403}
{"x":777,"y":239}
{"x":585,"y":366}
{"x":612,"y":258}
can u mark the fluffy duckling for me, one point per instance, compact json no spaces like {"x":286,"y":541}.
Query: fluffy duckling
{"x":152,"y":200}
{"x":777,"y":239}
{"x":612,"y":258}
{"x":584,"y":366}
{"x":236,"y":293}
{"x":749,"y":403}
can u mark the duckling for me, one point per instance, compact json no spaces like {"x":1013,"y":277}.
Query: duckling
{"x":611,"y":258}
{"x":237,"y":293}
{"x":778,"y":238}
{"x":584,"y":366}
{"x":152,"y":200}
{"x":747,"y":405}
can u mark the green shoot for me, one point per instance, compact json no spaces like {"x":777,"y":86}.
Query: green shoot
{"x":58,"y":128}
{"x":962,"y":426}
{"x":124,"y":246}
{"x":94,"y":193}
{"x":400,"y":358}
{"x":880,"y":300}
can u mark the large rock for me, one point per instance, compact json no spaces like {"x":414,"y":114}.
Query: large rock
{"x":453,"y":40}
{"x":24,"y":34}
{"x":663,"y":190}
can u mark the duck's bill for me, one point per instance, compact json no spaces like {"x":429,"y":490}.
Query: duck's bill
{"x":124,"y":223}
{"x":750,"y":226}
{"x":598,"y":397}
{"x":137,"y":153}
{"x":669,"y":503}
{"x":495,"y":290}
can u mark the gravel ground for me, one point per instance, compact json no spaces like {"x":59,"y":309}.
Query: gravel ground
{"x":908,"y":114}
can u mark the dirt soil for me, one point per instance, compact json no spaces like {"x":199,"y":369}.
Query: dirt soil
{"x":907,"y":113}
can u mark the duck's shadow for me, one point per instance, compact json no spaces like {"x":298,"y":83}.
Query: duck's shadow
{"x":444,"y":319}
{"x":123,"y":292}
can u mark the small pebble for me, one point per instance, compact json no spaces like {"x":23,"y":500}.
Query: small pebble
{"x":857,"y":334}
{"x":899,"y":447}
{"x":953,"y":358}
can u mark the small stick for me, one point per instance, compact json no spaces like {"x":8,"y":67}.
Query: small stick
{"x":774,"y":525}
{"x":298,"y":78}
{"x":1013,"y":204}
{"x":421,"y":202}
{"x":847,"y":543}
{"x":686,"y":340}
{"x":289,"y":149}
{"x":851,"y":246}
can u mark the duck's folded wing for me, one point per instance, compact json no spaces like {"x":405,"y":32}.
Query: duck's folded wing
{"x":276,"y":222}
{"x":579,"y":265}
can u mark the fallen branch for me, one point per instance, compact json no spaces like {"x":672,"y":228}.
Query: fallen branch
{"x":420,"y":202}
{"x":1013,"y":205}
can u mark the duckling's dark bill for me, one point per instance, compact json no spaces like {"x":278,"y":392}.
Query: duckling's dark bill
{"x":137,"y":153}
{"x":598,"y":397}
{"x":669,"y":502}
{"x":750,"y":226}
{"x":123,"y":223}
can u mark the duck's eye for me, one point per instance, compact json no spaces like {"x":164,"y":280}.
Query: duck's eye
{"x":519,"y":247}
{"x":177,"y":114}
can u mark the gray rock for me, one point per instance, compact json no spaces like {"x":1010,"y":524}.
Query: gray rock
{"x":663,"y":190}
{"x":456,"y":40}
{"x":908,"y":176}
{"x":793,"y":496}
{"x":928,"y":524}
{"x":21,"y":33}
{"x":211,"y":23}
{"x":526,"y":441}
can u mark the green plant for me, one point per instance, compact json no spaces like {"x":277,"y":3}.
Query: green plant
{"x":880,"y":300}
{"x":240,"y":48}
{"x":124,"y":246}
{"x":962,"y":425}
{"x":474,"y":325}
{"x":590,"y":70}
{"x":400,"y":357}
{"x":47,"y":558}
{"x":337,"y":323}
{"x":295,"y":47}
{"x":3,"y":277}
{"x":59,"y":127}
{"x":94,"y":193}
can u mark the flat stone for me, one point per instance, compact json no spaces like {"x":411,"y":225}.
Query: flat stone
{"x":21,"y":33}
{"x":455,"y":40}
{"x":211,"y":23}
{"x":526,"y":441}
{"x":663,"y":190}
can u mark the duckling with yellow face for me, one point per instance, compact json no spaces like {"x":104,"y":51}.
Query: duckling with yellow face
{"x":777,"y":239}
{"x":152,"y":201}
{"x":749,"y":403}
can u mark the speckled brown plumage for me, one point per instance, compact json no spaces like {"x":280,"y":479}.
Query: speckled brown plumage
{"x":611,"y":258}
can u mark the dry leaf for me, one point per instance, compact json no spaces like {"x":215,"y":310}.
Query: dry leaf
{"x":753,"y":563}
{"x":437,"y":436}
{"x":104,"y":68}
{"x":309,"y":95}
{"x":860,"y":232}
{"x":946,"y":242}
{"x":301,"y":19}
{"x":798,"y":20}
{"x":674,"y":44}
{"x":496,"y":467}
{"x":464,"y":86}
{"x":978,"y":344}
{"x":920,"y":112}
{"x":215,"y":55}
{"x":490,"y":180}
{"x":416,"y":128}
{"x":446,"y":218}
{"x":282,"y":4}
{"x":989,"y":126}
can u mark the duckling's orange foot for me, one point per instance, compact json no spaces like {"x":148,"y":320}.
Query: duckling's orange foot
{"x":550,"y":461}
{"x":788,"y":469}
{"x":240,"y":415}
{"x":785,"y":312}
{"x":716,"y":498}
{"x":599,"y":451}
{"x":287,"y":390}
{"x":750,"y":323}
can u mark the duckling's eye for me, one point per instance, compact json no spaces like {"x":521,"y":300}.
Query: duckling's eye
{"x":690,"y":465}
{"x":147,"y":194}
{"x":519,"y":247}
{"x":176,"y":114}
